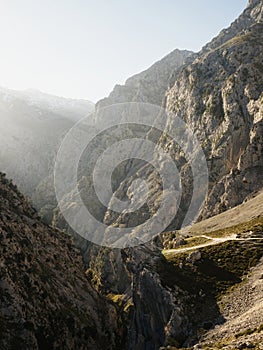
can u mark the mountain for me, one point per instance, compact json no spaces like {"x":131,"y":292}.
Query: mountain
{"x":33,"y":126}
{"x":218,"y":93}
{"x":148,"y":86}
{"x":73,"y":109}
{"x":46,"y":300}
{"x":220,"y":96}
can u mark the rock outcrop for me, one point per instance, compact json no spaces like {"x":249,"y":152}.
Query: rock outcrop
{"x":220,"y":95}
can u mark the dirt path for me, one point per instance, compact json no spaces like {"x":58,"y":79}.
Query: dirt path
{"x":212,"y":241}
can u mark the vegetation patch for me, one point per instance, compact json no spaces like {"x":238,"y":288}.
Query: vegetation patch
{"x":221,"y":266}
{"x":255,"y":225}
{"x":249,"y":331}
{"x":122,"y":301}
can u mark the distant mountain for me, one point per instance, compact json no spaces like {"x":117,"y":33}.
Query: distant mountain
{"x":72,"y":109}
{"x":32,"y":127}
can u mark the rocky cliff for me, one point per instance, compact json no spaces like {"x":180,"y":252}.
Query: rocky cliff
{"x":220,"y":95}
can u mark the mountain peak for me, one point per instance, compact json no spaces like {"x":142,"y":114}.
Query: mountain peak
{"x":149,"y":85}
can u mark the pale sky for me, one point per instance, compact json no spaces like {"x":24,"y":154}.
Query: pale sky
{"x":82,"y":48}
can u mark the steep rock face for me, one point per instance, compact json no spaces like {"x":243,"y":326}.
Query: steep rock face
{"x":161,"y":314}
{"x":220,"y":96}
{"x":148,"y":86}
{"x":46,"y":300}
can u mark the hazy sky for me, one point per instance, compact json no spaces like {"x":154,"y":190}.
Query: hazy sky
{"x":82,"y":48}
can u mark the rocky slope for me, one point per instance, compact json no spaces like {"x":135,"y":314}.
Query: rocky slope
{"x":242,"y":310}
{"x":220,"y":97}
{"x":46,"y":299}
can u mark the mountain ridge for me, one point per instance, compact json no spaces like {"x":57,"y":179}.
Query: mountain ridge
{"x":149,"y":85}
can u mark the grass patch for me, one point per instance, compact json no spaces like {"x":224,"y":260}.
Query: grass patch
{"x":255,"y":225}
{"x":116,"y":298}
{"x":121,"y":301}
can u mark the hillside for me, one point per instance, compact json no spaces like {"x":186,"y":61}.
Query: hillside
{"x":244,"y":212}
{"x":46,"y":299}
